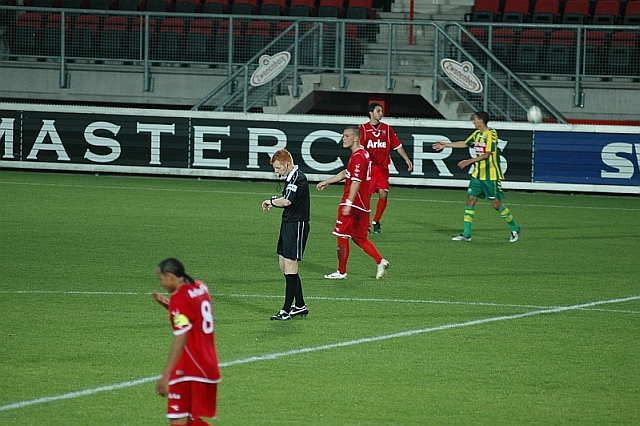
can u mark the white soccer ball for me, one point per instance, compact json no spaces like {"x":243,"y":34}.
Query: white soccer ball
{"x":534,"y":115}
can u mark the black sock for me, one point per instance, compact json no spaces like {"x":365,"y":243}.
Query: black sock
{"x":299,"y":298}
{"x":290,"y":292}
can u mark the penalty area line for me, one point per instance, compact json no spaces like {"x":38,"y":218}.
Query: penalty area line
{"x":363,"y":340}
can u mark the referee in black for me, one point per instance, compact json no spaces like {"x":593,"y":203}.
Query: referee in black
{"x":294,"y":231}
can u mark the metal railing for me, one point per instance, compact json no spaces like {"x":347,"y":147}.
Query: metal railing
{"x":233,"y":44}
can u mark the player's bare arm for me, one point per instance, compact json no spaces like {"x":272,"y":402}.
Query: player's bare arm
{"x":161,"y":299}
{"x":406,"y":158}
{"x":333,"y":179}
{"x":464,"y":163}
{"x":178,"y":345}
{"x":439,"y":146}
{"x":353,"y":193}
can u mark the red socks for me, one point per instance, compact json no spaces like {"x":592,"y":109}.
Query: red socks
{"x":343,"y":254}
{"x":382,"y":204}
{"x":368,"y":247}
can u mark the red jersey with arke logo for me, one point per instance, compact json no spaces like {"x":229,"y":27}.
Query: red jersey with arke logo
{"x":359,"y":169}
{"x":191,"y":312}
{"x":379,"y":140}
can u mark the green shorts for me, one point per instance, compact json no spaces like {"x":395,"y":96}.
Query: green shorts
{"x":491,"y":189}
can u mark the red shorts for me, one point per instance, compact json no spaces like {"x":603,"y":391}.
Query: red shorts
{"x":194,"y":399}
{"x":379,"y":178}
{"x":356,"y":225}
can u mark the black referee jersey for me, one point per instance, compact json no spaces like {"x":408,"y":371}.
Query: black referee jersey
{"x":297,"y":191}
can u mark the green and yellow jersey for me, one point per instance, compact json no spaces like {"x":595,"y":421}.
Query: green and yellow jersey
{"x":483,"y":142}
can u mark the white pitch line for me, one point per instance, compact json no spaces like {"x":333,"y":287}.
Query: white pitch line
{"x":213,"y":191}
{"x":332,"y":299}
{"x":363,"y":340}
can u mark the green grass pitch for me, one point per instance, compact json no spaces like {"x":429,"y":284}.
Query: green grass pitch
{"x":543,"y":331}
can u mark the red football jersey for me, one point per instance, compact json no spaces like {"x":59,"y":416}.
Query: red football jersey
{"x":190,"y":311}
{"x":359,"y":169}
{"x":379,"y":141}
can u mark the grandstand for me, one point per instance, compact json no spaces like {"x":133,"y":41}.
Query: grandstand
{"x":577,"y":59}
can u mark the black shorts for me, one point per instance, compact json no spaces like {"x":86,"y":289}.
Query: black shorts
{"x":293,"y":239}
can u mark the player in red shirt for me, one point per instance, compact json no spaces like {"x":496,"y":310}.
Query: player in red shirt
{"x":354,"y":209}
{"x":191,"y":374}
{"x":379,"y":139}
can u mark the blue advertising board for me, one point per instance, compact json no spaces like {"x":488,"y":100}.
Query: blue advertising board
{"x":587,"y":158}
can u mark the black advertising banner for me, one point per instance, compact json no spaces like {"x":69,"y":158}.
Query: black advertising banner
{"x":228,"y":146}
{"x":105,"y":139}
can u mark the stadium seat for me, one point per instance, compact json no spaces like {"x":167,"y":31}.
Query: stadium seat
{"x":186,"y":6}
{"x":561,"y":51}
{"x":360,"y":9}
{"x":85,"y":35}
{"x":51,"y":40}
{"x":353,"y":56}
{"x":516,"y":11}
{"x":272,"y":7}
{"x":170,"y":40}
{"x":595,"y":43}
{"x":301,"y":7}
{"x":545,"y":11}
{"x":136,"y":37}
{"x":502,"y":44}
{"x":100,"y":4}
{"x":471,"y":46}
{"x":28,"y":33}
{"x":256,"y":37}
{"x":244,"y":7}
{"x":43,"y":3}
{"x":576,"y":12}
{"x":113,"y":36}
{"x":623,"y":53}
{"x":330,"y":8}
{"x":485,"y":10}
{"x":216,"y":7}
{"x":529,"y":50}
{"x":71,"y":4}
{"x":606,"y":12}
{"x":221,"y":42}
{"x":632,"y":13}
{"x":127,"y":4}
{"x":158,"y":5}
{"x":199,"y":41}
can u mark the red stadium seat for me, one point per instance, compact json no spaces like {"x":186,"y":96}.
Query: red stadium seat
{"x":575,"y":12}
{"x":330,"y":8}
{"x":485,"y":10}
{"x":113,"y":36}
{"x":28,"y":33}
{"x":199,"y":40}
{"x":170,"y":40}
{"x":545,"y":11}
{"x":301,"y":7}
{"x":623,"y":53}
{"x":215,"y":6}
{"x":51,"y":40}
{"x":529,"y":50}
{"x":85,"y":35}
{"x":272,"y":7}
{"x":561,"y":50}
{"x":632,"y":13}
{"x":606,"y":12}
{"x":244,"y":7}
{"x":186,"y":6}
{"x":595,"y":43}
{"x":516,"y":11}
{"x":503,"y":42}
{"x":359,"y":9}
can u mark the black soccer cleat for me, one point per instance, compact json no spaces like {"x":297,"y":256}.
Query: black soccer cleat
{"x":298,"y":312}
{"x":376,"y":227}
{"x":281,"y":316}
